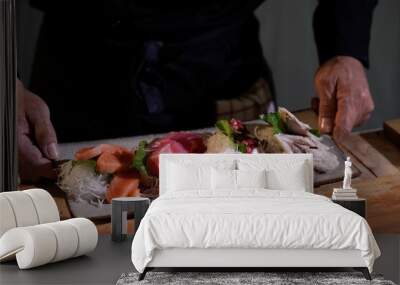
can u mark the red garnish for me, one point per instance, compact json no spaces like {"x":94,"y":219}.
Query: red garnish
{"x":236,"y":125}
{"x":250,"y":145}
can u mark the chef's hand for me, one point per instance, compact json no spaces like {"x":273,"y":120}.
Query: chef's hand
{"x":344,"y":97}
{"x":37,"y":140}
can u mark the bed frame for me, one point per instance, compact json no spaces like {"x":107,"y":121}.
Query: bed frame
{"x":260,"y":259}
{"x":245,"y":259}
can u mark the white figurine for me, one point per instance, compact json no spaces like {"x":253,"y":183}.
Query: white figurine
{"x":346,"y":192}
{"x":347,"y":174}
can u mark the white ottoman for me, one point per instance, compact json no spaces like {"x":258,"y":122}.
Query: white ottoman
{"x":31,"y":231}
{"x":37,"y":245}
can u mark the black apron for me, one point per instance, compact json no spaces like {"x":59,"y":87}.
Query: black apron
{"x":123,"y":75}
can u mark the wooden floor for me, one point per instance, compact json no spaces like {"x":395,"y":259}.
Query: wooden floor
{"x":375,"y":153}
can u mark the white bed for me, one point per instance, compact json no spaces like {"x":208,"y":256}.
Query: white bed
{"x":202,"y":226}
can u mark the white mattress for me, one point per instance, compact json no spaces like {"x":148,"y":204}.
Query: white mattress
{"x":257,"y":219}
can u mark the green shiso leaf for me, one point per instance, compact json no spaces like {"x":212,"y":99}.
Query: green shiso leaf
{"x":139,"y":160}
{"x":225,"y":128}
{"x":274,"y":119}
{"x":315,"y":132}
{"x":242,"y":148}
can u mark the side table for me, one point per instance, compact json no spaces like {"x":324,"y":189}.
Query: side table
{"x":120,"y":208}
{"x":357,"y":206}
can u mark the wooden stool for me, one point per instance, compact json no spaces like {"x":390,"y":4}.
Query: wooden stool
{"x":120,"y":208}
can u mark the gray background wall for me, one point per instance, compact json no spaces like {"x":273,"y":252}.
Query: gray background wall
{"x":287,"y":38}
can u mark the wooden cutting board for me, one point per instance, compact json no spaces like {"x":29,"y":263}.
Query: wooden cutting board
{"x":338,"y":173}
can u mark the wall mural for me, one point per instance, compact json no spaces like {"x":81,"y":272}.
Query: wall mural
{"x":101,"y":105}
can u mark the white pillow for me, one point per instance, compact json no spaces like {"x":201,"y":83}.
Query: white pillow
{"x":183,"y":178}
{"x":251,"y":178}
{"x":282,"y":174}
{"x":293,"y":179}
{"x":223,"y":179}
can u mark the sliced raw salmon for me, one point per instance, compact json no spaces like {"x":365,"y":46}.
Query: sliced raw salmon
{"x":114,"y":162}
{"x":124,"y":184}
{"x":94,"y":151}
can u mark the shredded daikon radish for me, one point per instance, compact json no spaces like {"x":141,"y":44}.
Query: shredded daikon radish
{"x":81,"y":182}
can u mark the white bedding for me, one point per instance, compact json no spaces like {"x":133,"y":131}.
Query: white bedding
{"x":250,"y":218}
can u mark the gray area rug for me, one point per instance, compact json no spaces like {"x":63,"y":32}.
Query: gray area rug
{"x":233,"y":278}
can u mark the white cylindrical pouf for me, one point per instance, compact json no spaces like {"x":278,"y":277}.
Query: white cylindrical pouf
{"x":67,"y":240}
{"x":7,"y":218}
{"x":87,"y":235}
{"x":40,"y":244}
{"x":45,"y":205}
{"x":30,"y":230}
{"x":33,"y":246}
{"x":23,"y":208}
